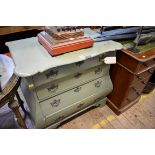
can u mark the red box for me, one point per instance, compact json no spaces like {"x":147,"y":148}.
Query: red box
{"x":64,"y":47}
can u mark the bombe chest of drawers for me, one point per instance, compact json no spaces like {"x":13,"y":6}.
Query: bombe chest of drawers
{"x":57,"y":88}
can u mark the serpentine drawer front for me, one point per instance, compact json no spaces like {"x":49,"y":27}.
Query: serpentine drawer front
{"x":51,"y":108}
{"x":74,"y":108}
{"x":66,"y":70}
{"x":56,"y":87}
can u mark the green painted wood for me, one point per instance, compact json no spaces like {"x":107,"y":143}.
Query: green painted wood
{"x":65,"y":70}
{"x":64,"y":104}
{"x":59,"y":86}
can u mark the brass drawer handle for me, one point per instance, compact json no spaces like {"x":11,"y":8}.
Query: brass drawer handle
{"x":79,"y":63}
{"x":139,"y":77}
{"x":135,"y":90}
{"x":55,"y":103}
{"x":52,"y":88}
{"x":77,"y":89}
{"x":98,"y":71}
{"x":98,"y":84}
{"x":77,"y":75}
{"x":150,"y":72}
{"x":141,"y":80}
{"x":51,"y":73}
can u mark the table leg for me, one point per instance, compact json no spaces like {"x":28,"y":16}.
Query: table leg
{"x":13,"y":105}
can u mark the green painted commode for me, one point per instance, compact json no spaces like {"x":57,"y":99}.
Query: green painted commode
{"x":59,"y":88}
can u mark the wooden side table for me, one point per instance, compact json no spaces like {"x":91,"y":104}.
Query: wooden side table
{"x":129,"y":76}
{"x":9,"y":89}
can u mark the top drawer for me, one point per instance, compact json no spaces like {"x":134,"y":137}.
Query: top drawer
{"x":146,"y":65}
{"x":63,"y":71}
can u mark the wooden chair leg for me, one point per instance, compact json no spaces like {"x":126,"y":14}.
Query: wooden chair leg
{"x":13,"y":105}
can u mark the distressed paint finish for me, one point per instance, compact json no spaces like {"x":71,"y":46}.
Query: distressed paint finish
{"x":31,"y":58}
{"x":58,"y":88}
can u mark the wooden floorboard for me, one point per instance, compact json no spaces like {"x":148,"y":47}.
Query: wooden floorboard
{"x":140,"y":116}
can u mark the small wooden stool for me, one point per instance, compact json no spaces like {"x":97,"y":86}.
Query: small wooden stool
{"x":7,"y":95}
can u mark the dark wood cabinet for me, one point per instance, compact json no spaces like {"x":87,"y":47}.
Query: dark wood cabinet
{"x":129,"y":76}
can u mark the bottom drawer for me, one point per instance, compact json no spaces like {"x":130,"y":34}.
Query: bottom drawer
{"x":76,"y":109}
{"x":56,"y":108}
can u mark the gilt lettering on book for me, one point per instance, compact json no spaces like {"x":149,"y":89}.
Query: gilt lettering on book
{"x":59,"y":40}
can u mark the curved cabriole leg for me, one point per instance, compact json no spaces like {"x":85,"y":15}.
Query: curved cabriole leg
{"x":13,"y":105}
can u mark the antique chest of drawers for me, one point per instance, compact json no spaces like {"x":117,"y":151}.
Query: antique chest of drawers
{"x":129,"y":76}
{"x":70,"y":83}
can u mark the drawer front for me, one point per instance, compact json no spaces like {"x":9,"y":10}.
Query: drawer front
{"x":145,"y":65}
{"x":66,"y":70}
{"x":96,"y":89}
{"x":142,"y":79}
{"x":137,"y":86}
{"x":60,"y":115}
{"x":73,"y":109}
{"x":56,"y":87}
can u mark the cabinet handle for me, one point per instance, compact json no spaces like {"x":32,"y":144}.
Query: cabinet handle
{"x":150,"y":72}
{"x":51,"y":73}
{"x":52,"y":88}
{"x":77,"y":75}
{"x":77,"y":89}
{"x":98,"y":84}
{"x":144,"y":82}
{"x":135,"y":90}
{"x":55,"y":103}
{"x":139,"y":77}
{"x":98,"y":71}
{"x":141,"y":80}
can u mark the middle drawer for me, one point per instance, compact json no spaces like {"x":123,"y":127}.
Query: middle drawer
{"x":58,"y":86}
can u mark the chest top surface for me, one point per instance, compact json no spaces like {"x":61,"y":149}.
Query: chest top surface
{"x":31,"y":58}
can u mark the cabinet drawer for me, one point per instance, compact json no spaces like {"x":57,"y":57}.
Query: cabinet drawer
{"x":74,"y":109}
{"x":66,"y":70}
{"x":96,"y":89}
{"x":144,"y":65}
{"x":142,"y":79}
{"x":56,"y":87}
